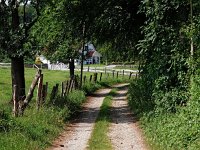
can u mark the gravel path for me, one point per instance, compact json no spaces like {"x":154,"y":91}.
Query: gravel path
{"x":124,"y":132}
{"x":78,"y":132}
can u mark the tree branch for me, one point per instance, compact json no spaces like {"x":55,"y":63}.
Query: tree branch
{"x":28,"y":26}
{"x":24,"y":18}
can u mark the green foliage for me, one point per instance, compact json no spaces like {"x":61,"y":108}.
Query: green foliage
{"x":165,"y":94}
{"x":59,"y":40}
{"x":89,"y":88}
{"x":165,"y":53}
{"x":15,"y":24}
{"x":166,"y":124}
{"x":179,"y":130}
{"x":139,"y":96}
{"x":75,"y":99}
{"x":37,"y":129}
{"x":69,"y":104}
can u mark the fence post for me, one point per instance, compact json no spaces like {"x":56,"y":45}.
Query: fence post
{"x":46,"y":90}
{"x":90,"y":78}
{"x":100,"y":76}
{"x":39,"y":92}
{"x":72,"y":84}
{"x":62,"y":88}
{"x":130,"y":75}
{"x":117,"y":74}
{"x":43,"y":94}
{"x":76,"y":86}
{"x":107,"y":75}
{"x":66,"y":88}
{"x":84,"y":79}
{"x":88,"y":69}
{"x":54,"y":92}
{"x":95,"y":77}
{"x":69,"y":85}
{"x":123,"y":73}
{"x":113,"y":73}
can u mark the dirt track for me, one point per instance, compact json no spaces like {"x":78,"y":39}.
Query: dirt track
{"x":124,"y":132}
{"x":78,"y":132}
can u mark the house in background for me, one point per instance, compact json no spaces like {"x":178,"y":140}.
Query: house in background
{"x":42,"y":60}
{"x":91,"y":55}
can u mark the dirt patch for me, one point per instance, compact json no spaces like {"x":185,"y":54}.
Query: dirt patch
{"x":77,"y":134}
{"x":124,"y":132}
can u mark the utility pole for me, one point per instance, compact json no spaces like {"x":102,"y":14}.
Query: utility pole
{"x":82,"y":54}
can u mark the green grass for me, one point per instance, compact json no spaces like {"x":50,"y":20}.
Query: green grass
{"x":36,"y":130}
{"x":50,"y":76}
{"x":99,"y":139}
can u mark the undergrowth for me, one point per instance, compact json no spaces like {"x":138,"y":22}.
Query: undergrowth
{"x":169,"y":130}
{"x":37,"y":131}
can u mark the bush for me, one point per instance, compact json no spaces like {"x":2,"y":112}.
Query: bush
{"x":75,"y":99}
{"x":89,"y":88}
{"x":170,"y":125}
{"x":139,"y":96}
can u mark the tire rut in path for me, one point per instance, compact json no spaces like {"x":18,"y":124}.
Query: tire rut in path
{"x":77,"y":133}
{"x":124,"y":132}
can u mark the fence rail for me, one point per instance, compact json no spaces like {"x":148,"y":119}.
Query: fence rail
{"x":108,"y":70}
{"x":6,"y":65}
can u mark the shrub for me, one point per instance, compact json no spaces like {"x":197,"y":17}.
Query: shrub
{"x":75,"y":99}
{"x":139,"y":96}
{"x":89,"y":88}
{"x":170,"y":125}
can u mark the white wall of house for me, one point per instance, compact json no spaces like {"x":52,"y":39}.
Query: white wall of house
{"x":95,"y":59}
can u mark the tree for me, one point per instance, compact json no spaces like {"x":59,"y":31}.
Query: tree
{"x":63,"y":36}
{"x":166,"y":51}
{"x":118,"y":24}
{"x":57,"y":40}
{"x":15,"y":33}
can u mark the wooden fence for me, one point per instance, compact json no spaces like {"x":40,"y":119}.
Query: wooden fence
{"x":65,"y":88}
{"x":108,"y":70}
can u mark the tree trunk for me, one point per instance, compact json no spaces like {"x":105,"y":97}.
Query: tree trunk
{"x":17,"y":73}
{"x":71,"y":68}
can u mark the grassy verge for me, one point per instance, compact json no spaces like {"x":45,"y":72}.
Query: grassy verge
{"x":165,"y":130}
{"x":36,"y":130}
{"x":99,"y":139}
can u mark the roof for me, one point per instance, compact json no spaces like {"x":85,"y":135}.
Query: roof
{"x":90,"y":53}
{"x":93,"y":54}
